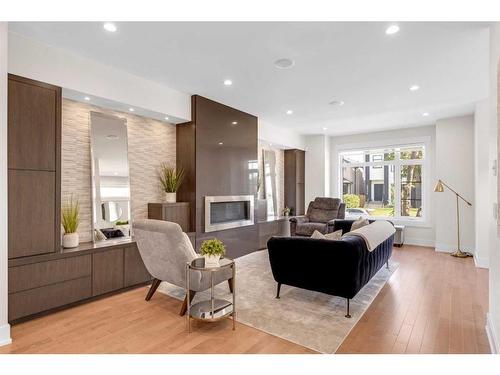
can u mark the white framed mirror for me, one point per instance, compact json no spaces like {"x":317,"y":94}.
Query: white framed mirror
{"x":110,"y":177}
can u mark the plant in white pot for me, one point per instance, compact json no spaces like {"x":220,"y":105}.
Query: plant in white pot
{"x":212,"y":250}
{"x":70,"y":219}
{"x":170,"y":179}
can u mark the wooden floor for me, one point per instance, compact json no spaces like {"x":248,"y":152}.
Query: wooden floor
{"x":433,"y":303}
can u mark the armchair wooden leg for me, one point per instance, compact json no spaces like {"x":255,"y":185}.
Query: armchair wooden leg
{"x":347,"y":315}
{"x":185,"y":303}
{"x":278,"y":291}
{"x":231,"y":285}
{"x":156,"y":283}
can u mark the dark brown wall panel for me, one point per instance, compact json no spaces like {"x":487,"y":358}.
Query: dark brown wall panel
{"x":226,"y":151}
{"x":32,"y":213}
{"x":294,"y":181}
{"x":186,"y":159}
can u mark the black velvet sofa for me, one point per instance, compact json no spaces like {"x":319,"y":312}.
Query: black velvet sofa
{"x":336,"y":267}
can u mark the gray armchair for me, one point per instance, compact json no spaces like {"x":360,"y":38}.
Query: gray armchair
{"x":165,"y":249}
{"x":320,"y":216}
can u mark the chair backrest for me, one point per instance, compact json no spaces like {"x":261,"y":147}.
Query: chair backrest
{"x":165,"y":249}
{"x":322,"y":210}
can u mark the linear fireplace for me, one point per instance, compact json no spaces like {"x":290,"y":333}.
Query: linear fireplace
{"x":229,"y":211}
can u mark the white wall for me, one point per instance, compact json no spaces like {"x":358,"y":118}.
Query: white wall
{"x":4,"y":326}
{"x":57,"y":66}
{"x":455,"y":166}
{"x":317,"y":167}
{"x":418,"y":234}
{"x":493,"y":324}
{"x":484,"y":206}
{"x":280,"y":136}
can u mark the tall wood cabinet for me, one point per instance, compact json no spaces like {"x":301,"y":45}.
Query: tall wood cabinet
{"x":34,"y":139}
{"x":294,"y":181}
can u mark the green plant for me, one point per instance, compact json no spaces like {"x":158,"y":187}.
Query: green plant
{"x":351,"y":200}
{"x":286,"y":211}
{"x":170,"y":178}
{"x":213,"y":247}
{"x":70,"y":215}
{"x":122,"y":222}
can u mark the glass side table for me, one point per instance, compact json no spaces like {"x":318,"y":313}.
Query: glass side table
{"x":213,"y":309}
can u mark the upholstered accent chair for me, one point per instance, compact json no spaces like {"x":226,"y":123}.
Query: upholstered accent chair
{"x":165,"y":249}
{"x":320,"y":216}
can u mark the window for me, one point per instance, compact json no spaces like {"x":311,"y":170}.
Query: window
{"x":385,"y":183}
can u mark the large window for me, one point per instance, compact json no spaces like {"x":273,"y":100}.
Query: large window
{"x":384,"y":182}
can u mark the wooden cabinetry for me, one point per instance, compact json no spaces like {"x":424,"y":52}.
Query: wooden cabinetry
{"x":294,"y":181}
{"x":34,"y":144}
{"x":107,"y":271}
{"x":40,"y":284}
{"x":175,"y":212}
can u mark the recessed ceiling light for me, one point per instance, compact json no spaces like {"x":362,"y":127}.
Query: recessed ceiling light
{"x":393,"y":29}
{"x":110,"y":26}
{"x":325,"y":128}
{"x":414,"y":87}
{"x":425,"y":114}
{"x":166,"y":118}
{"x":87,"y":98}
{"x":115,"y":173}
{"x":339,"y":103}
{"x":131,"y":109}
{"x":234,"y":123}
{"x":220,"y":143}
{"x":228,"y":82}
{"x":289,"y":112}
{"x":284,"y":63}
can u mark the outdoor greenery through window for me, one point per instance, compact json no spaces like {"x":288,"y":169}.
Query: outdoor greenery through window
{"x":385,"y":182}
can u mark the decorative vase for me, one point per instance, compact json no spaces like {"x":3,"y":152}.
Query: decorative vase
{"x":170,"y":197}
{"x":211,"y":261}
{"x":71,"y":240}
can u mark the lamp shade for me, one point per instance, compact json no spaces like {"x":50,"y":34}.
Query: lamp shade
{"x":439,"y":187}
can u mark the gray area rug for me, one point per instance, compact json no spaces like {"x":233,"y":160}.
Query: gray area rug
{"x":311,"y":319}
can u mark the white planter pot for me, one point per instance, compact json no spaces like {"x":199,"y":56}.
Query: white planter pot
{"x":170,"y":197}
{"x":211,"y":261}
{"x":71,"y":240}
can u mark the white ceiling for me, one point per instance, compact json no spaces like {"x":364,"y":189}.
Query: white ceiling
{"x":355,"y":62}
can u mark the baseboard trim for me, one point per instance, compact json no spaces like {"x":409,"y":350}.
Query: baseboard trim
{"x":481,"y":262}
{"x":418,"y":242}
{"x":447,"y":248}
{"x":5,"y":338}
{"x":492,"y":338}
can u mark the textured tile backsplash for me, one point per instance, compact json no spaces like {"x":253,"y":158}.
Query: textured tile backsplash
{"x":150,"y":142}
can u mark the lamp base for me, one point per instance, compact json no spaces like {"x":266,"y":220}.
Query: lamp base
{"x":460,"y":254}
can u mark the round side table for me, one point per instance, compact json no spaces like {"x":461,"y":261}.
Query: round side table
{"x":213,"y":309}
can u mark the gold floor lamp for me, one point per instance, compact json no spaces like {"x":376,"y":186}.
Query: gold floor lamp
{"x":439,"y":189}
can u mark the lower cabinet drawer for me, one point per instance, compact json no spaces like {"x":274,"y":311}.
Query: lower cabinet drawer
{"x":107,"y":271}
{"x":47,"y":297}
{"x":51,"y":272}
{"x":134,"y":270}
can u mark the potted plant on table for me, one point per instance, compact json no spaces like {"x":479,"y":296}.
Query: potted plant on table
{"x":170,"y":179}
{"x":70,"y":219}
{"x":212,"y":250}
{"x":286,"y":211}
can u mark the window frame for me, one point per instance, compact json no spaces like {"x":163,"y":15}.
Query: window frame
{"x":397,"y":163}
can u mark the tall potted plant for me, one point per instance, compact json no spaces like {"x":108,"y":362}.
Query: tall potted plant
{"x":170,"y":179}
{"x":70,"y":219}
{"x":212,"y":250}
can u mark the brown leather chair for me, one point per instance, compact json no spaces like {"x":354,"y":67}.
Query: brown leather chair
{"x":320,"y":216}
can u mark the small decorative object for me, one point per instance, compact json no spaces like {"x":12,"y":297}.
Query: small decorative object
{"x":212,"y":250}
{"x":286,"y":211}
{"x":170,"y":178}
{"x":70,"y":219}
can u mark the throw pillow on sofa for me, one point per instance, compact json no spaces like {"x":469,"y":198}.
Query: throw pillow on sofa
{"x":361,"y":222}
{"x":329,"y":236}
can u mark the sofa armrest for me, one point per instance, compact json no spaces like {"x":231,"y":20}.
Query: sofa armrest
{"x":299,"y":219}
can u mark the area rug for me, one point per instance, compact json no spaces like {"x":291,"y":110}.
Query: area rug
{"x":311,"y":319}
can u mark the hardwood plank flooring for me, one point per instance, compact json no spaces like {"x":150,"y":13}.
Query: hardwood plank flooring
{"x":433,"y":303}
